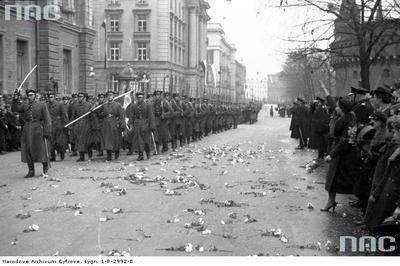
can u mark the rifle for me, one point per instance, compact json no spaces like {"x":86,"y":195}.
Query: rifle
{"x":27,"y":76}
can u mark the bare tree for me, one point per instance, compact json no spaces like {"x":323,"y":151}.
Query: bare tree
{"x":363,"y":30}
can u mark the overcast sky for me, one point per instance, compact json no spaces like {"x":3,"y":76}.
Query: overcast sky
{"x":259,"y":31}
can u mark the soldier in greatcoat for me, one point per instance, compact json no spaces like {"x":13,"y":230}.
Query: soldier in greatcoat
{"x":59,"y":118}
{"x":81,"y":128}
{"x":112,"y":125}
{"x":36,"y":131}
{"x":162,"y":115}
{"x":141,"y":119}
{"x":176,"y":125}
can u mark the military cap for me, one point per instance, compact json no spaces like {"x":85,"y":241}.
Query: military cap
{"x":139,"y":94}
{"x":157,"y":92}
{"x":361,"y":91}
{"x":51,"y":93}
{"x":382,"y":90}
{"x":111,"y":92}
{"x":65,"y":98}
{"x":379,"y":116}
{"x":184,"y":97}
{"x":84,"y":94}
{"x":345,"y":105}
{"x":320,"y":99}
{"x":175,"y":94}
{"x":166,"y":93}
{"x":101,"y":95}
{"x":74,"y":95}
{"x":191,"y":99}
{"x":205,"y":100}
{"x":30,"y":91}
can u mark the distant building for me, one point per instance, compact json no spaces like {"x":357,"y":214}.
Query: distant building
{"x":62,"y":49}
{"x":257,"y":89}
{"x":151,"y":45}
{"x":384,"y":71}
{"x":226,"y":75}
{"x":240,"y":82}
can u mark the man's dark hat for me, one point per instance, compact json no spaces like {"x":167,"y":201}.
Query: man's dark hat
{"x":65,"y":98}
{"x":157,"y":92}
{"x":382,"y":90}
{"x":139,"y":94}
{"x":74,"y":95}
{"x":360,"y":91}
{"x":166,"y":93}
{"x":175,"y":94}
{"x":379,"y":116}
{"x":345,"y":104}
{"x":30,"y":91}
{"x":101,"y":95}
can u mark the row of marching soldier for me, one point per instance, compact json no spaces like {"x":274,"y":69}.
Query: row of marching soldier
{"x":147,"y":126}
{"x":359,"y":135}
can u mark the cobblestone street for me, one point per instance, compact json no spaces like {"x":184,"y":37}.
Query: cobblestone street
{"x":224,"y":195}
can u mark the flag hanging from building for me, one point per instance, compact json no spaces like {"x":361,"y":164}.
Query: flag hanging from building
{"x":104,"y":25}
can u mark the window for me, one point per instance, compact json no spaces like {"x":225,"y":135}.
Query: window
{"x":142,"y":53}
{"x":22,"y":59}
{"x":355,"y":74}
{"x":115,"y":51}
{"x":67,"y":72}
{"x":114,"y":24}
{"x":114,"y":2}
{"x":114,"y":83}
{"x":142,"y":23}
{"x":141,"y":2}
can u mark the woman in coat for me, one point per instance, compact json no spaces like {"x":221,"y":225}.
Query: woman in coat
{"x":344,"y":156}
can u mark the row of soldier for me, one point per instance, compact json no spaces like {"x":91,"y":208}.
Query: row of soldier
{"x":148,"y":125}
{"x":359,"y":135}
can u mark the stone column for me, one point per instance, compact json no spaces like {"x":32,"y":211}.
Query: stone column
{"x":192,"y":37}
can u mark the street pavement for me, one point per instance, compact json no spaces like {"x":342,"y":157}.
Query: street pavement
{"x":241,"y":192}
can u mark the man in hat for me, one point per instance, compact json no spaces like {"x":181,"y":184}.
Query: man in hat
{"x":188,"y":113}
{"x":113,"y":123}
{"x":82,"y":127}
{"x":36,"y":131}
{"x":59,"y":118}
{"x":162,"y":115}
{"x":73,"y":138}
{"x":382,"y":99}
{"x":141,"y":119}
{"x":176,"y":124}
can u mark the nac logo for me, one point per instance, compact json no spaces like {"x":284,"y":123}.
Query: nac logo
{"x":368,"y":244}
{"x":48,"y":12}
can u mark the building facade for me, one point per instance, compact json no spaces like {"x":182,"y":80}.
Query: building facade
{"x":257,"y":89}
{"x":347,"y":65}
{"x":222,"y":64}
{"x":62,"y":49}
{"x":150,"y":45}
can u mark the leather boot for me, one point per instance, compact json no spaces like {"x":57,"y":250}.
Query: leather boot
{"x":182,"y":141}
{"x":90,"y":154}
{"x":140,"y":158}
{"x":45,"y":168}
{"x":147,"y":149}
{"x":74,"y":153}
{"x":109,"y":156}
{"x":31,"y":172}
{"x":116,"y":155}
{"x":81,"y":157}
{"x":165,"y":147}
{"x":62,"y":156}
{"x":130,"y":152}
